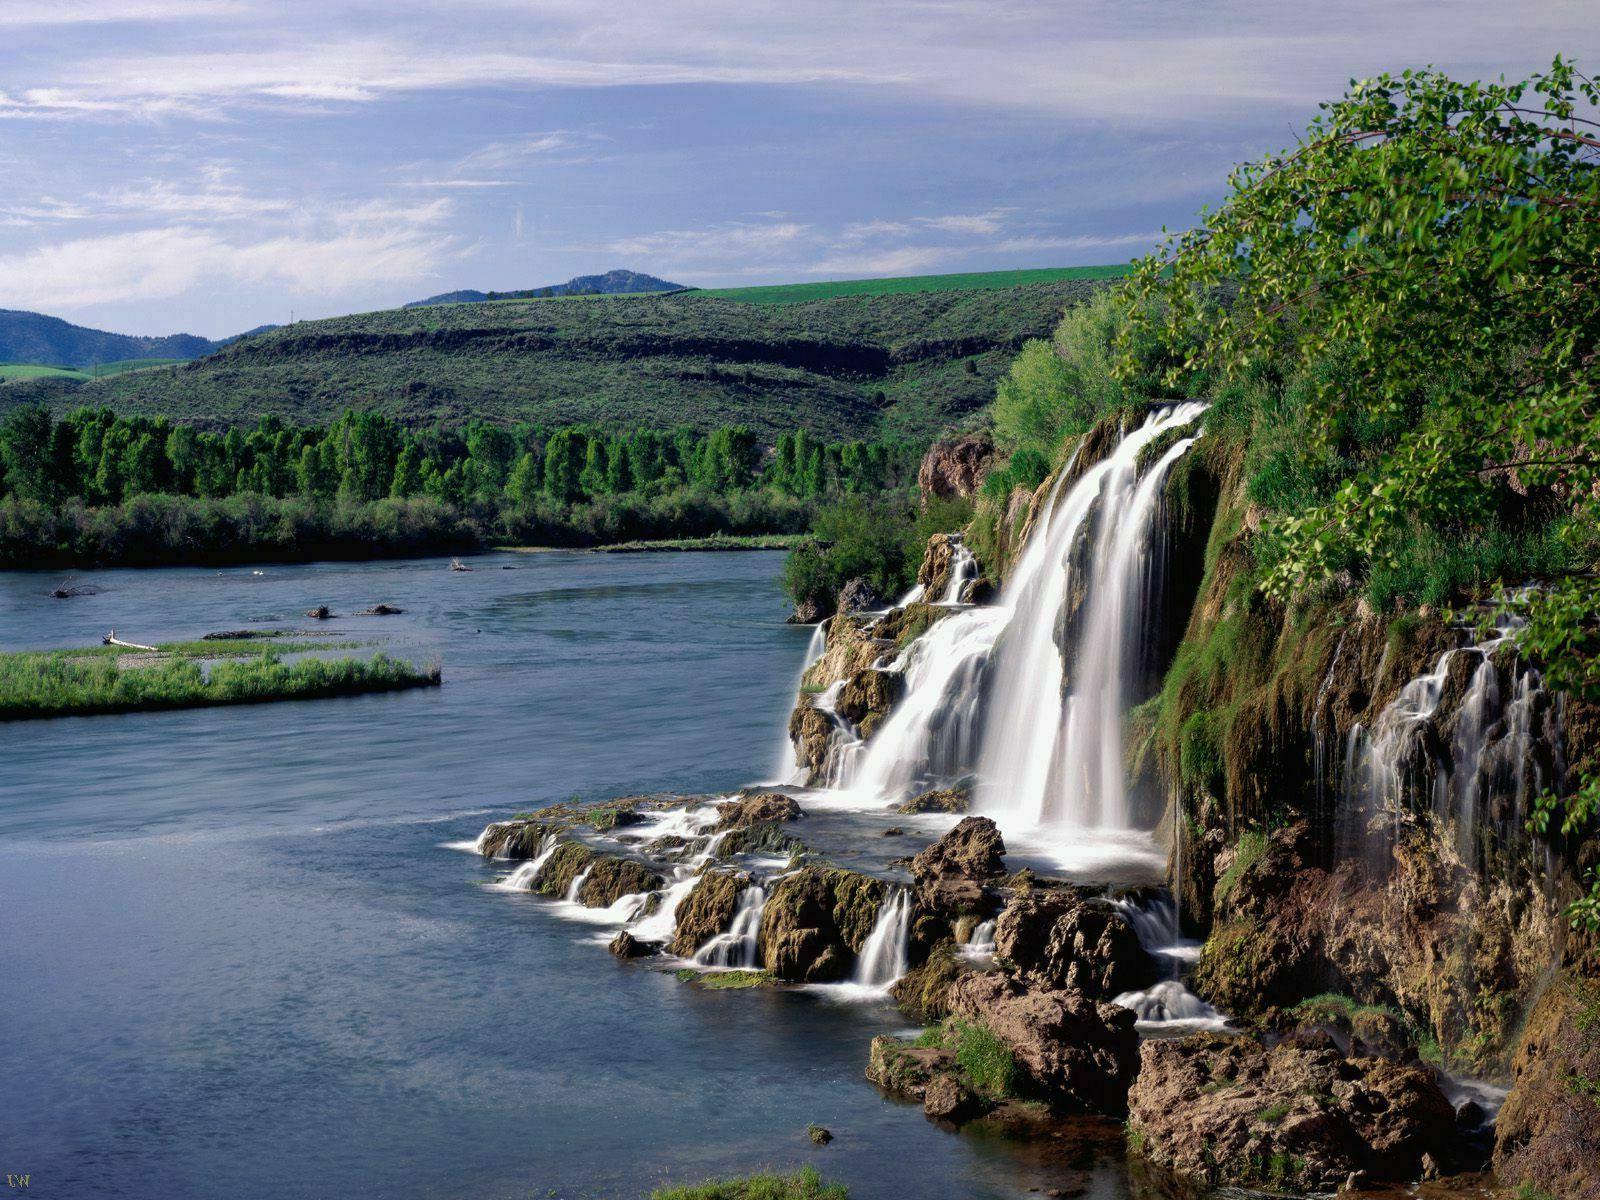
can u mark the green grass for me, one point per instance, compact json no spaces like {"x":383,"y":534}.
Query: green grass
{"x":34,"y":371}
{"x":66,"y":683}
{"x":1252,"y":845}
{"x":985,"y":1062}
{"x":1273,"y":1115}
{"x":82,"y":374}
{"x":218,"y":648}
{"x":909,"y":362}
{"x":723,"y":981}
{"x":804,"y":293}
{"x":804,"y":1184}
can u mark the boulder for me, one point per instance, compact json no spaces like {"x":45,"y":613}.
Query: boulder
{"x":569,"y":860}
{"x":955,"y":467}
{"x":755,"y":809}
{"x":512,"y":839}
{"x":1079,"y":1054}
{"x":867,"y":697}
{"x":1060,"y":939}
{"x":858,"y":595}
{"x":940,"y":800}
{"x":610,"y":879}
{"x":321,"y":612}
{"x":1225,"y":1110}
{"x":815,"y":922}
{"x":952,"y":873}
{"x":904,"y":1069}
{"x":625,"y":945}
{"x":707,"y":910}
{"x":811,"y":730}
{"x":1548,"y":1133}
{"x":381,"y":610}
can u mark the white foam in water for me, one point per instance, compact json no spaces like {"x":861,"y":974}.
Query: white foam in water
{"x":963,"y":570}
{"x":469,"y":845}
{"x":1169,"y":1006}
{"x":981,"y":944}
{"x":522,"y":879}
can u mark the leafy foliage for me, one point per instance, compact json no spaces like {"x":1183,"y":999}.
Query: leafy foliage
{"x":880,"y":539}
{"x":1412,"y":292}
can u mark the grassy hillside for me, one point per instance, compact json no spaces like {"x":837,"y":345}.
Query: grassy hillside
{"x":10,"y":371}
{"x":801,"y":293}
{"x":909,"y":359}
{"x":33,"y":338}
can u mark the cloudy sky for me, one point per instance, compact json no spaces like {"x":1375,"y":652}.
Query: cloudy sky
{"x":210,"y":165}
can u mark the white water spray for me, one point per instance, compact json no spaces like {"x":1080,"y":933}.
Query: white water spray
{"x":886,"y":955}
{"x":737,"y":945}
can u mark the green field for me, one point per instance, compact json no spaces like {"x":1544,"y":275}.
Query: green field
{"x":909,"y":357}
{"x":10,"y":371}
{"x":804,"y":293}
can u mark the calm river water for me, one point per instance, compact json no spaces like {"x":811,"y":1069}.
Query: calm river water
{"x":238,"y":960}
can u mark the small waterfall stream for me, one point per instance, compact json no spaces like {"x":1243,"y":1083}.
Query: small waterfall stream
{"x":963,"y":570}
{"x":1167,"y":1006}
{"x":736,"y":946}
{"x":885,"y":957}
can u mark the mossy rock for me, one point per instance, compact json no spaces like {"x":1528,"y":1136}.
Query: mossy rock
{"x":610,"y":879}
{"x":816,"y":920}
{"x":566,"y":863}
{"x":707,"y":910}
{"x":723,"y":981}
{"x":923,"y":993}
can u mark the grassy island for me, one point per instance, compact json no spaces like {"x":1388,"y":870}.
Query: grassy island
{"x":91,"y":682}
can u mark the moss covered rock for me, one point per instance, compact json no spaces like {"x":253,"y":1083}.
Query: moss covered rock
{"x":707,"y":910}
{"x":568,"y":861}
{"x":815,"y":922}
{"x":610,"y":879}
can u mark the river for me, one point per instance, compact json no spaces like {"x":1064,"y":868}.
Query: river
{"x":239,"y":958}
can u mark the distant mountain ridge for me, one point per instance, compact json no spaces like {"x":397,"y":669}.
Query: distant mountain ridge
{"x":612,"y":283}
{"x":33,"y":338}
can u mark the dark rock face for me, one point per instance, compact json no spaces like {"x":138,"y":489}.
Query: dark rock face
{"x":859,"y":596}
{"x":1078,"y":1054}
{"x":707,"y":910}
{"x":815,"y":922}
{"x":319,"y":613}
{"x":1226,"y":1110}
{"x":1548,"y":1133}
{"x":625,"y":945}
{"x":955,"y":468}
{"x":1059,"y":939}
{"x":756,"y":809}
{"x":811,"y":731}
{"x":934,"y":572}
{"x":867,"y":697}
{"x":610,"y":879}
{"x":952,"y":873}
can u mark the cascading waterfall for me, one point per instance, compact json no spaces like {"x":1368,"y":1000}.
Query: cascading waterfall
{"x":1050,"y":757}
{"x":1169,"y":1004}
{"x":527,"y":874}
{"x":1490,"y":751}
{"x":576,"y":886}
{"x":963,"y":570}
{"x":790,"y":770}
{"x":981,"y":944}
{"x":737,"y":945}
{"x":886,"y":956}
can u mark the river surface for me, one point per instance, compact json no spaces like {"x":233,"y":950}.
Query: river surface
{"x":240,"y":961}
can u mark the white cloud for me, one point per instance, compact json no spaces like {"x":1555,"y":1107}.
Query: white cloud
{"x":976,"y":225}
{"x":335,"y":251}
{"x":20,"y":13}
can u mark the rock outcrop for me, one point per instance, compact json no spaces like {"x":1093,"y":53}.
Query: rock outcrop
{"x":1079,"y":1054}
{"x":955,"y":467}
{"x":1548,"y":1133}
{"x":756,"y":808}
{"x":815,"y":922}
{"x":952,"y":876}
{"x":858,"y":595}
{"x":610,"y":879}
{"x":941,"y":800}
{"x":512,"y":839}
{"x":707,"y":910}
{"x":1061,"y":939}
{"x":1226,"y":1110}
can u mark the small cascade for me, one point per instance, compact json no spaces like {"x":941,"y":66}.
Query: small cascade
{"x":1464,"y":765}
{"x":963,"y":570}
{"x":790,"y":771}
{"x":527,"y":874}
{"x":661,"y":924}
{"x":1168,"y":1006}
{"x":577,"y":886}
{"x":981,"y":944}
{"x":736,"y":947}
{"x":886,"y":955}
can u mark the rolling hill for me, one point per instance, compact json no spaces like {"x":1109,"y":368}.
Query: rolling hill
{"x":612,"y":283}
{"x":903,"y":359}
{"x":33,"y":338}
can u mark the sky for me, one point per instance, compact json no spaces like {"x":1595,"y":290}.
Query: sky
{"x":207,"y":166}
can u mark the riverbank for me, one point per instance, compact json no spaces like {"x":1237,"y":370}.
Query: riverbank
{"x":774,"y":541}
{"x":94,"y":682}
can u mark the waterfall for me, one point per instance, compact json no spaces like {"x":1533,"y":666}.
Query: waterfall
{"x":983,"y":686}
{"x":1167,"y":1006}
{"x":737,"y":946}
{"x":885,"y":956}
{"x":963,"y":570}
{"x":1050,"y":757}
{"x":789,"y":769}
{"x":1415,"y":757}
{"x":981,"y":944}
{"x":577,"y":885}
{"x":526,"y":874}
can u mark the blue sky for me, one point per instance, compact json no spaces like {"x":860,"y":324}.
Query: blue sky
{"x":211,"y":165}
